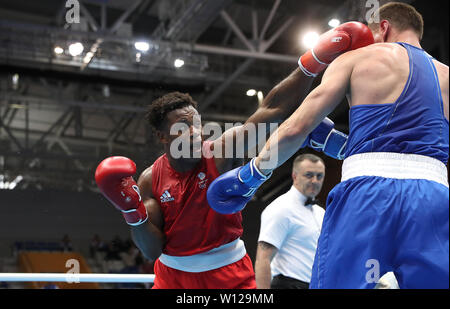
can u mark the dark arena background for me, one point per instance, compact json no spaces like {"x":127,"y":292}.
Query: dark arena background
{"x":74,"y":90}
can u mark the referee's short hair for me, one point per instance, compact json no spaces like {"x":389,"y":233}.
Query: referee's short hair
{"x":307,"y":156}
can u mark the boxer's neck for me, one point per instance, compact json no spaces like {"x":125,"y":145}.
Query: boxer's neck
{"x":409,"y":37}
{"x":183,"y":165}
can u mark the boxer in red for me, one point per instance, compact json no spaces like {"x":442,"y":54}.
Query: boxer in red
{"x":193,"y":246}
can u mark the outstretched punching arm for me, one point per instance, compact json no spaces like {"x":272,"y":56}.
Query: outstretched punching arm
{"x":230,"y":192}
{"x":285,"y":98}
{"x":319,"y":103}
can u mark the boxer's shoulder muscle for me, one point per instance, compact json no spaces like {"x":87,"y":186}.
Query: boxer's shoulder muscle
{"x":380,"y":59}
{"x":145,"y":183}
{"x":153,"y":208}
{"x":379,"y":74}
{"x":442,"y":71}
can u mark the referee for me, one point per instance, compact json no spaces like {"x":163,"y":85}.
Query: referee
{"x":290,"y":228}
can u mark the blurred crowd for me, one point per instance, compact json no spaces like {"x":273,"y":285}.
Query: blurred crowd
{"x":120,"y":256}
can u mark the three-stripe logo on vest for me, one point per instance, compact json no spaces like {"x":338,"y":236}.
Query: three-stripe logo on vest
{"x":166,"y":197}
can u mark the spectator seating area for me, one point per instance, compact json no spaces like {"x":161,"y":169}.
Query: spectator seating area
{"x":120,"y":256}
{"x":37,"y":246}
{"x":54,"y":262}
{"x":114,"y":256}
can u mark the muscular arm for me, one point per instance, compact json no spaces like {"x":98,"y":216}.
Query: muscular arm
{"x":264,"y":255}
{"x":443,"y":74}
{"x":289,"y":137}
{"x":148,"y":236}
{"x":281,"y":102}
{"x":283,"y":99}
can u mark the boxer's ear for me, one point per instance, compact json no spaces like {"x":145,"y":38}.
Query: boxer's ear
{"x":385,"y":28}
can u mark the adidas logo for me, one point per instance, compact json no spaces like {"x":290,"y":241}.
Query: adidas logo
{"x":166,"y":197}
{"x":203,"y":181}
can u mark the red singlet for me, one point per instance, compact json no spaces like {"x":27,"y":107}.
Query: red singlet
{"x":190,"y":225}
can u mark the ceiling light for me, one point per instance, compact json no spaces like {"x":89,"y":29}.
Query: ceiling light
{"x":58,"y":50}
{"x":76,"y":49}
{"x":142,"y":46}
{"x":88,"y":57}
{"x":15,"y":81}
{"x":334,"y":23}
{"x":310,"y":39}
{"x":18,"y":179}
{"x":106,"y":91}
{"x":251,"y":92}
{"x":14,"y":183}
{"x":260,"y":96}
{"x":178,"y":63}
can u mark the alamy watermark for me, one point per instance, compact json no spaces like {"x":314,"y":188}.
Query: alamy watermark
{"x":373,"y":14}
{"x":73,"y":272}
{"x":73,"y":12}
{"x":373,"y":274}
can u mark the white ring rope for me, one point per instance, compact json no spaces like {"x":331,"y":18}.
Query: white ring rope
{"x":72,"y":278}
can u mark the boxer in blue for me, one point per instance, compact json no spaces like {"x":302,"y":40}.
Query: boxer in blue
{"x":390,"y":212}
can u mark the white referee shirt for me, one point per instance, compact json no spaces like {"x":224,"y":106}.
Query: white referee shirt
{"x":294,"y":230}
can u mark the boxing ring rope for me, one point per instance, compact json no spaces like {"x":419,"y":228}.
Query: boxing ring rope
{"x":75,"y":278}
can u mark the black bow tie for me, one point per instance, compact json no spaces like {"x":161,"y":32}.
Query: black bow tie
{"x":311,"y":201}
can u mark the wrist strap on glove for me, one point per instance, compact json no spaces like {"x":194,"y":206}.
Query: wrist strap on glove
{"x":136,"y":216}
{"x":252,"y":177}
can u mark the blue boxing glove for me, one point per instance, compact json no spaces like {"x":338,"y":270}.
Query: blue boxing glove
{"x":325,"y":138}
{"x":230,"y":192}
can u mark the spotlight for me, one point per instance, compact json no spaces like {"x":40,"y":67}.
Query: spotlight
{"x":76,"y":49}
{"x":334,"y":23}
{"x":178,"y":63}
{"x":260,"y":96}
{"x":142,"y":46}
{"x":58,"y":50}
{"x":310,"y":39}
{"x":14,"y":183}
{"x":18,"y":179}
{"x":106,"y":91}
{"x":251,"y":92}
{"x":15,"y":81}
{"x":88,"y":57}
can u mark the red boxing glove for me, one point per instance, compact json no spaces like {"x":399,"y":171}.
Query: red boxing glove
{"x":346,"y":37}
{"x":114,"y":178}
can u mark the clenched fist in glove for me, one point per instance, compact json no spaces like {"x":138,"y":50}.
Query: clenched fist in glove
{"x":346,"y":37}
{"x":114,"y":178}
